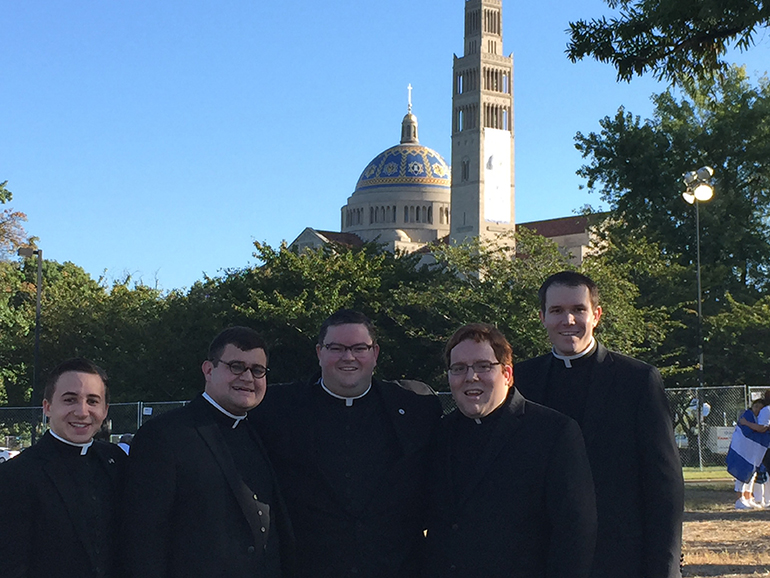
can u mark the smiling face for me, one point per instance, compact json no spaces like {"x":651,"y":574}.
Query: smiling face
{"x":478,"y":395}
{"x":236,"y":393}
{"x":570,"y":318}
{"x":77,"y":407}
{"x":343,"y":373}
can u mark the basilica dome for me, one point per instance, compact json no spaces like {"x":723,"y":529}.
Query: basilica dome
{"x":405,"y":165}
{"x":403,"y":196}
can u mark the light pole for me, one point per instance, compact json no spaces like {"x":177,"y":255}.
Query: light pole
{"x":699,"y":190}
{"x":28,"y":252}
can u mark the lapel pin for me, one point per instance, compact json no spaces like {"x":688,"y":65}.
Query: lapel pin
{"x":401,"y":411}
{"x":111,"y":461}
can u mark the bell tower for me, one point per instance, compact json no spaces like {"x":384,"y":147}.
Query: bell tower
{"x":482,"y":128}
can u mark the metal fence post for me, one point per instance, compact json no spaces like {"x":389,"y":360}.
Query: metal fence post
{"x":700,"y":426}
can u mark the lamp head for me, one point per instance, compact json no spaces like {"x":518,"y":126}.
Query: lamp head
{"x":703,"y":192}
{"x":705,"y":173}
{"x":690,"y":178}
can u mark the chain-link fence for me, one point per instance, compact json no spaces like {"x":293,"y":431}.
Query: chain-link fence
{"x":20,"y":427}
{"x":704,"y":419}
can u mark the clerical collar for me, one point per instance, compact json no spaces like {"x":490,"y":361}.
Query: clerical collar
{"x":568,"y":359}
{"x":238,"y":418}
{"x":492,"y":415}
{"x":83,"y":447}
{"x":348,"y":400}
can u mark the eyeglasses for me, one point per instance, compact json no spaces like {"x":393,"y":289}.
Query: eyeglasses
{"x":238,"y":368}
{"x":359,"y":349}
{"x":478,"y":367}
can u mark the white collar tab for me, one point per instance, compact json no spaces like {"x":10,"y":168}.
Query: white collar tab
{"x":348,"y":400}
{"x":567,"y":359}
{"x":238,"y":418}
{"x":83,"y":447}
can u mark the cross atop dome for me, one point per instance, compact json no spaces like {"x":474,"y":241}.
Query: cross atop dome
{"x":409,"y":124}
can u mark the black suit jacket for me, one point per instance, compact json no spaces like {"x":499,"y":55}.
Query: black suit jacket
{"x":43,"y":515}
{"x":527,"y":508}
{"x":385,"y":538}
{"x":187,"y":510}
{"x":635,"y":463}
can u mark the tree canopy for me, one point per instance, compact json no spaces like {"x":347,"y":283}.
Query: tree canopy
{"x":12,"y":234}
{"x":636,"y":166}
{"x":675,"y":40}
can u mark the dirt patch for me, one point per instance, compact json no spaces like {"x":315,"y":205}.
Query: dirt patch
{"x":720,"y":540}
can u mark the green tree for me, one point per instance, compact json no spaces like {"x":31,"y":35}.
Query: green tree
{"x":12,"y":234}
{"x":739,"y":343}
{"x":637,"y":166}
{"x":676,"y":40}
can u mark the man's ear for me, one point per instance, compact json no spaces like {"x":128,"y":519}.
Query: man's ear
{"x":207,"y":367}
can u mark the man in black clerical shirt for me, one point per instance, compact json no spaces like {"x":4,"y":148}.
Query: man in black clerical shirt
{"x":60,"y":496}
{"x":497,"y":506}
{"x":623,"y":413}
{"x":201,"y":498}
{"x":349,"y":452}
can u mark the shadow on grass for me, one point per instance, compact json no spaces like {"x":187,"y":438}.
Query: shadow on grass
{"x":725,"y":570}
{"x":727,"y":515}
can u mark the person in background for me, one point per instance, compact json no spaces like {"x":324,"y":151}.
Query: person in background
{"x":125,"y":442}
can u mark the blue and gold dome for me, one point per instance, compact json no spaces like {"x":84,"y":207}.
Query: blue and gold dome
{"x":409,"y":164}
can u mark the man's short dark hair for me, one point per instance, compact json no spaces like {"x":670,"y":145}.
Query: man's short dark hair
{"x":80,"y":365}
{"x":481,"y":332}
{"x":345,"y":317}
{"x":570,"y":279}
{"x":244,"y":338}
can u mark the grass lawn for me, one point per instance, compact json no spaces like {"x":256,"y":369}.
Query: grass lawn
{"x":720,"y":540}
{"x":707,"y":473}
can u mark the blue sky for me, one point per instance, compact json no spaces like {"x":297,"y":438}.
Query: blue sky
{"x":160,"y":139}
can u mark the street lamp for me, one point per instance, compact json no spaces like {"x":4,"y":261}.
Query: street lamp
{"x":28,"y":252}
{"x":699,"y":190}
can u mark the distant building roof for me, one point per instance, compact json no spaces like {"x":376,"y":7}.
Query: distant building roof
{"x":347,"y":239}
{"x":559,"y":227}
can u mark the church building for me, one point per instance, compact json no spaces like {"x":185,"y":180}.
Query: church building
{"x":408,"y":197}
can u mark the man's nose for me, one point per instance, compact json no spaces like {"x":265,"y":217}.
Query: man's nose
{"x":348,"y":353}
{"x":81,"y":408}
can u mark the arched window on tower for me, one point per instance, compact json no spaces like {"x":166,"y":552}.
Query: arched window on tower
{"x":417,"y":214}
{"x":406,"y":214}
{"x":371,"y":215}
{"x":411,"y":214}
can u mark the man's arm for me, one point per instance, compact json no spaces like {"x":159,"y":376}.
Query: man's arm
{"x":149,"y":498}
{"x":661,"y":481}
{"x":16,"y":519}
{"x":753,"y":426}
{"x":571,"y":504}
